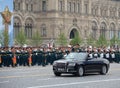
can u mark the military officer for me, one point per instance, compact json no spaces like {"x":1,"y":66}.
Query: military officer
{"x":18,"y":56}
{"x":107,"y":55}
{"x":117,"y":56}
{"x":34,"y":56}
{"x":101,"y":54}
{"x":40,"y":54}
{"x":95,"y":54}
{"x":112,"y":56}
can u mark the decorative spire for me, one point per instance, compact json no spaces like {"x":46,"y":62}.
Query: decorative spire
{"x":6,"y":8}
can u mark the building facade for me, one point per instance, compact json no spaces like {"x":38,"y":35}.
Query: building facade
{"x":53,"y":17}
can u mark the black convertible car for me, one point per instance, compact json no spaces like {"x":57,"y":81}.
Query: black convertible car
{"x":79,"y":64}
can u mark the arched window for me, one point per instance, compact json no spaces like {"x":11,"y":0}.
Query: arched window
{"x":60,"y":5}
{"x":28,"y":28}
{"x":78,"y":7}
{"x":69,"y":7}
{"x":17,"y":5}
{"x":104,"y":11}
{"x":86,"y":8}
{"x":31,"y":7}
{"x":17,"y":26}
{"x":43,"y":30}
{"x":112,"y":30}
{"x":74,"y":7}
{"x":44,"y":5}
{"x":94,"y":29}
{"x":95,"y":10}
{"x":103,"y":29}
{"x":27,"y":7}
{"x":112,"y":12}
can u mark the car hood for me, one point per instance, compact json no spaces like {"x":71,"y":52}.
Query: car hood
{"x":65,"y":61}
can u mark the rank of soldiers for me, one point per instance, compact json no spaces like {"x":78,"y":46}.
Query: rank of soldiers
{"x":30,"y":56}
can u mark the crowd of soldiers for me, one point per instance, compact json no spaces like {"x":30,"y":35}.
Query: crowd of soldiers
{"x":112,"y":54}
{"x":30,"y":56}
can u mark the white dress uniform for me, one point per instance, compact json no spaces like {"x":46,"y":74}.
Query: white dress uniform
{"x":95,"y":55}
{"x":113,"y":55}
{"x":102,"y":55}
{"x":91,"y":55}
{"x":107,"y":55}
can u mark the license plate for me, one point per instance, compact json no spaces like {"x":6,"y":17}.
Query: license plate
{"x":61,"y":69}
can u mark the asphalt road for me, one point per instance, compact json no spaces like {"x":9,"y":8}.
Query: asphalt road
{"x":43,"y":77}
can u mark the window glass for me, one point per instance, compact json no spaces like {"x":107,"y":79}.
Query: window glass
{"x":44,"y":6}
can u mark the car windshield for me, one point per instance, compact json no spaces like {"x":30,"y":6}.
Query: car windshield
{"x":76,"y":56}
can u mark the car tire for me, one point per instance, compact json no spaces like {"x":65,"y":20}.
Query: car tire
{"x":57,"y":74}
{"x":80,"y":71}
{"x":103,"y":70}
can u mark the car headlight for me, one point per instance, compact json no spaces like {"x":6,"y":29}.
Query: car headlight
{"x":54,"y":63}
{"x":71,"y":64}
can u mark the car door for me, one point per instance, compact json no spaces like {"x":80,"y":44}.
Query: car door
{"x":92,"y":65}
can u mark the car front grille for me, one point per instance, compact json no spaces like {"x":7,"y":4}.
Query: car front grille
{"x":61,"y":65}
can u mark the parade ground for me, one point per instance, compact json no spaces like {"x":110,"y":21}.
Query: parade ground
{"x":43,"y":77}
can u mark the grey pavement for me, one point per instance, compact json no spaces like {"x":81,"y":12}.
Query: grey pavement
{"x":43,"y":77}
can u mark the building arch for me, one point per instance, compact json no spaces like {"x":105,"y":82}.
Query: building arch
{"x":19,"y":16}
{"x":29,"y":27}
{"x":105,"y":21}
{"x":112,"y":30}
{"x":112,"y":26}
{"x":95,"y":20}
{"x":73,"y":33}
{"x":30,"y":17}
{"x":43,"y":30}
{"x":29,"y":20}
{"x":94,"y":29}
{"x":17,"y":21}
{"x":103,"y":29}
{"x":73,"y":30}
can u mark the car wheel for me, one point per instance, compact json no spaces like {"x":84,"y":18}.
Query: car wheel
{"x":80,"y":71}
{"x":103,"y":70}
{"x":57,"y":74}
